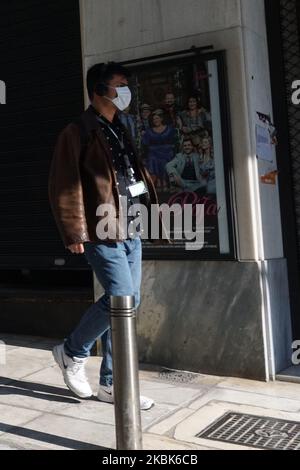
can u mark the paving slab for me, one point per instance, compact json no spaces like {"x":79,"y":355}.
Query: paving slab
{"x":61,"y":432}
{"x":271,"y":402}
{"x":277,"y":389}
{"x":12,"y":416}
{"x":37,"y":411}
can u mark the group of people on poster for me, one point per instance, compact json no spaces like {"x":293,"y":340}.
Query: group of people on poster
{"x":176,"y":144}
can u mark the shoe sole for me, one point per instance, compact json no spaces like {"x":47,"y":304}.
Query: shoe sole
{"x":103,"y":399}
{"x":58,"y":359}
{"x":152,"y":404}
{"x":149,"y":407}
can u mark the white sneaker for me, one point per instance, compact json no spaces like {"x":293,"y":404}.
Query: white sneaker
{"x":73,"y":372}
{"x":106,"y":394}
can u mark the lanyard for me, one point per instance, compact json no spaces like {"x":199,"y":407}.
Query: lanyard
{"x":121,"y":142}
{"x":129,"y":169}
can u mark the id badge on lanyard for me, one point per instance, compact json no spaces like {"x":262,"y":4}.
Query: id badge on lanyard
{"x":137,"y":189}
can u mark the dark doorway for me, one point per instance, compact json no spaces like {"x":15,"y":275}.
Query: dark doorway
{"x":41,"y":65}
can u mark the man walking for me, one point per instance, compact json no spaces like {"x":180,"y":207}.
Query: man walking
{"x":95,"y":164}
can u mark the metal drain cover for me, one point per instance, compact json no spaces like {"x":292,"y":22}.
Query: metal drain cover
{"x":254,"y":431}
{"x":177,"y":376}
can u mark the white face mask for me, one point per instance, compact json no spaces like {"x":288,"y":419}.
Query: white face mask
{"x":123,"y":100}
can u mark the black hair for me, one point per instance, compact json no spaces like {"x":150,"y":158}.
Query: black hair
{"x":100,"y":74}
{"x":161,"y":115}
{"x":188,"y":139}
{"x":196,"y":97}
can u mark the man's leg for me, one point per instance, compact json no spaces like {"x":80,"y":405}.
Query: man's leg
{"x":110,"y":264}
{"x":134,"y":259}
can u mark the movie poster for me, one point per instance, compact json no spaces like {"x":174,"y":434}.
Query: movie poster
{"x":175,"y":121}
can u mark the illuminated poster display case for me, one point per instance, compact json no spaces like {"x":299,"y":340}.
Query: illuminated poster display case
{"x":179,"y":121}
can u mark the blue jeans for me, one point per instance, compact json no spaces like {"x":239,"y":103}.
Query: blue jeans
{"x":118,"y":267}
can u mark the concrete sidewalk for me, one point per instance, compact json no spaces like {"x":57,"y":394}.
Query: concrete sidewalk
{"x":37,"y":411}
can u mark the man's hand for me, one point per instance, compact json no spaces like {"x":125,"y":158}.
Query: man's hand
{"x":179,"y":181}
{"x":77,"y":248}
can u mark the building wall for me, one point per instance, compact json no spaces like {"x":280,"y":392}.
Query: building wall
{"x":189,"y":331}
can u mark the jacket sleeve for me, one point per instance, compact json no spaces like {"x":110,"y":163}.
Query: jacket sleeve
{"x":65,"y":188}
{"x":172,"y":166}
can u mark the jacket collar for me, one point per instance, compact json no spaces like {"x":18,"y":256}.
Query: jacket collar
{"x":91,"y":123}
{"x":89,"y":119}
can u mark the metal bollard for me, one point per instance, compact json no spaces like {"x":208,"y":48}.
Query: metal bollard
{"x":125,"y":373}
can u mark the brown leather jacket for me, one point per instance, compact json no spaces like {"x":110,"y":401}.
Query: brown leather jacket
{"x":83,"y":178}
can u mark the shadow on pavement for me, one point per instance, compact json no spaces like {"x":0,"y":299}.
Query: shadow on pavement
{"x":48,"y":438}
{"x":36,"y":390}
